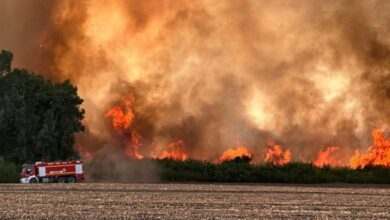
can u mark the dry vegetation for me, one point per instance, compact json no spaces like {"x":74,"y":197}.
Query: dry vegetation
{"x":57,"y":201}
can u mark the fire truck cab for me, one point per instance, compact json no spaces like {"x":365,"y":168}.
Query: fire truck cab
{"x":62,"y":172}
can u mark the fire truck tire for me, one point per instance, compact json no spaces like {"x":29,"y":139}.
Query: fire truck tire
{"x":71,"y":179}
{"x":33,"y":180}
{"x":62,"y":180}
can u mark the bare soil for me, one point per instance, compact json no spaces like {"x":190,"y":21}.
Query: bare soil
{"x":194,"y":201}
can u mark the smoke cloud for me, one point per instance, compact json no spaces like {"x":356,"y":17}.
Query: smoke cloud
{"x":307,"y":74}
{"x":111,"y":165}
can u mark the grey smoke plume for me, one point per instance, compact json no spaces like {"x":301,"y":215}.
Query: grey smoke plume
{"x":309,"y":74}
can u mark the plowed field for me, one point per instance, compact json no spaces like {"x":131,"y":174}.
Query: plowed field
{"x":178,"y":201}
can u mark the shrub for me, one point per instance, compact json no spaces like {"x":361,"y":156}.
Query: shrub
{"x":9,"y":172}
{"x":241,"y":170}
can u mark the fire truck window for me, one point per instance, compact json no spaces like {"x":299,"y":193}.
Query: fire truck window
{"x":28,"y":170}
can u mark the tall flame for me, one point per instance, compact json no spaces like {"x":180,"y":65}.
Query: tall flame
{"x":121,"y":119}
{"x":378,"y":154}
{"x":275,"y":154}
{"x":326,"y":157}
{"x":133,"y":150}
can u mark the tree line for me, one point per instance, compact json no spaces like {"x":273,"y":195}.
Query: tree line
{"x":38,"y":118}
{"x":241,"y":170}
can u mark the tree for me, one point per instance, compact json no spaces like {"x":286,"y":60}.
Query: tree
{"x":38,"y":119}
{"x":5,"y":62}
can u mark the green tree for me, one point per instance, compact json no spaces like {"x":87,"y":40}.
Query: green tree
{"x":5,"y":62}
{"x":38,"y":119}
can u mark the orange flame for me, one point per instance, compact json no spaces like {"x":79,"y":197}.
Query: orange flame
{"x":378,"y":154}
{"x":174,"y":151}
{"x":133,"y":150}
{"x":326,"y":157}
{"x":232,"y":153}
{"x":275,"y":154}
{"x":121,"y":119}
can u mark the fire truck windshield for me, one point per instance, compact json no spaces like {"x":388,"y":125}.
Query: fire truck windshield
{"x":27,"y":169}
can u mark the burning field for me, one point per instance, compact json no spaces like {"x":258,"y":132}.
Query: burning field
{"x":214,"y":80}
{"x":183,"y":201}
{"x":209,"y":91}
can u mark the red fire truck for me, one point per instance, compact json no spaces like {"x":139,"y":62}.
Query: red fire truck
{"x":62,"y":172}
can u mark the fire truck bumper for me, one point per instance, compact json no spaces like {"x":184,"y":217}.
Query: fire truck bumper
{"x":23,"y":180}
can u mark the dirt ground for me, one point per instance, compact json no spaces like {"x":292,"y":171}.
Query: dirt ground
{"x":179,"y":201}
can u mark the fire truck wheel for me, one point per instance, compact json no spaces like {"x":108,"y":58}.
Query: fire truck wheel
{"x":71,"y":179}
{"x":61,"y":180}
{"x":33,"y":180}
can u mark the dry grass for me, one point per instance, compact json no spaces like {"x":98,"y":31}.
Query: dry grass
{"x":170,"y":201}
